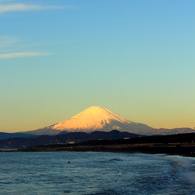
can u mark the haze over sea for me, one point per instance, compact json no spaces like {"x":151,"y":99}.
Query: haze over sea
{"x":95,"y":173}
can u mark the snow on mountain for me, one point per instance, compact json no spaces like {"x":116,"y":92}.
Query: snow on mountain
{"x":97,"y":118}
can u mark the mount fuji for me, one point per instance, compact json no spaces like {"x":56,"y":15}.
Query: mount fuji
{"x":97,"y":118}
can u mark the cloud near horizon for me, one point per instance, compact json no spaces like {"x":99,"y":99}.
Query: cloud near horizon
{"x":25,"y":7}
{"x":23,"y":54}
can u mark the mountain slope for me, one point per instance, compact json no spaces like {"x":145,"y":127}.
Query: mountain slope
{"x":163,"y":131}
{"x":97,"y":118}
{"x":43,"y":131}
{"x":4,"y":135}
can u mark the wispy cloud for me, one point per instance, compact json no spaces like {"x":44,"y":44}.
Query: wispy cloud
{"x":7,"y":40}
{"x":24,"y":54}
{"x":8,"y":44}
{"x":25,"y":7}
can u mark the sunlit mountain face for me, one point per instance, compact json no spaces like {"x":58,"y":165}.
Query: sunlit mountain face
{"x":97,"y":118}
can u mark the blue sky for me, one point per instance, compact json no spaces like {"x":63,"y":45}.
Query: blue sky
{"x":135,"y":58}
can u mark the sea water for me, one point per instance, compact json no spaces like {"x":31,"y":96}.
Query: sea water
{"x":95,"y":173}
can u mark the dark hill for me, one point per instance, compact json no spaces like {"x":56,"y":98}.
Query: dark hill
{"x":114,"y":134}
{"x":63,"y":138}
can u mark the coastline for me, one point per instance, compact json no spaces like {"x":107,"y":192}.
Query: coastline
{"x":178,"y":144}
{"x":184,"y":149}
{"x":8,"y":150}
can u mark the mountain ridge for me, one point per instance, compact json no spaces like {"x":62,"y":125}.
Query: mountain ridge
{"x":97,"y":118}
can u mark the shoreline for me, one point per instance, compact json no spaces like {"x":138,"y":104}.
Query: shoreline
{"x":179,"y":144}
{"x":169,"y":149}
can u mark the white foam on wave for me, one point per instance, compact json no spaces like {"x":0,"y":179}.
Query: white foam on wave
{"x":185,"y":165}
{"x":184,"y":162}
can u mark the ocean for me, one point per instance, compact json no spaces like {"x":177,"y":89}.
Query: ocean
{"x":95,"y":173}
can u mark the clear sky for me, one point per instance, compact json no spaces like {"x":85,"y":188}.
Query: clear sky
{"x":133,"y":57}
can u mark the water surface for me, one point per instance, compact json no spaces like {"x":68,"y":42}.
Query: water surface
{"x":95,"y":173}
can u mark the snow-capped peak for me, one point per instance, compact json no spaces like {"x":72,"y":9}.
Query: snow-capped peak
{"x":95,"y":118}
{"x":99,"y":113}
